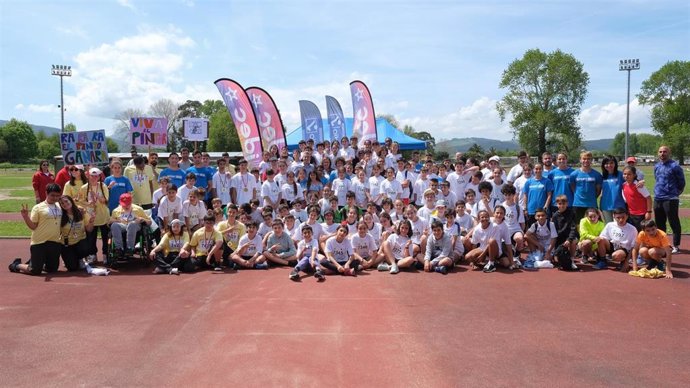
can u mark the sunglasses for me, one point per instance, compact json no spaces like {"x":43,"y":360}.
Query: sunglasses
{"x":74,"y":169}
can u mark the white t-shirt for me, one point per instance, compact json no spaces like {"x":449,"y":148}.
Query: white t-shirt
{"x":271,"y":190}
{"x":307,"y":247}
{"x":364,"y":246}
{"x":375,"y":187}
{"x":398,"y":243}
{"x":514,"y":173}
{"x":340,"y":187}
{"x":466,"y":221}
{"x":360,"y":188}
{"x":341,"y":251}
{"x":620,"y":237}
{"x":222,"y":182}
{"x":482,"y":236}
{"x":392,"y":189}
{"x":316,"y":229}
{"x":418,"y":229}
{"x":195,"y":213}
{"x":514,"y":217}
{"x":168,"y":208}
{"x":244,"y":184}
{"x":255,"y":244}
{"x":546,"y":232}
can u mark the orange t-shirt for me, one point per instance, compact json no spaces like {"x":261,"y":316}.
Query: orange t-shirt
{"x":658,"y":241}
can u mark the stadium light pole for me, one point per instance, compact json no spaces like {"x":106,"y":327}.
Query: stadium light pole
{"x":628,"y":65}
{"x":62,"y":71}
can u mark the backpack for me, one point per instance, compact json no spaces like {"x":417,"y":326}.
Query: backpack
{"x":563,"y":257}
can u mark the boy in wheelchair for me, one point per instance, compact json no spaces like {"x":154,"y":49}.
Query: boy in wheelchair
{"x":127,"y":219}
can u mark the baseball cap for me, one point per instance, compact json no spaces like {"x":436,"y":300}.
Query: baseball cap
{"x":441,"y":202}
{"x":631,"y":159}
{"x":95,"y":171}
{"x":126,"y":199}
{"x":175,"y":222}
{"x":494,"y":158}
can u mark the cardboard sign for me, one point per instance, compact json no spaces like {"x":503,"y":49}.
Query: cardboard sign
{"x":87,"y":147}
{"x":148,"y":131}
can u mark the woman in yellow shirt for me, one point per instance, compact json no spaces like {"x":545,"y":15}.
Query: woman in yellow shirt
{"x":74,"y":226}
{"x":169,"y":254}
{"x":93,"y":196}
{"x":77,"y":178}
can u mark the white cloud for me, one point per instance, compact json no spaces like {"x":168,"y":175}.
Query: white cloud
{"x":127,"y":4}
{"x":34,"y":108}
{"x":478,"y":119}
{"x":73,"y":31}
{"x":604,"y":121}
{"x":133,"y":72}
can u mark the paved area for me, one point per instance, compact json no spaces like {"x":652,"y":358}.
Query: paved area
{"x":257,"y":328}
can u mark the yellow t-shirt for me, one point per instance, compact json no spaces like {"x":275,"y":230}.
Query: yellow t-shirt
{"x":73,"y":191}
{"x":47,"y":217}
{"x":86,"y":198}
{"x":125,"y":217}
{"x":173,"y":244}
{"x":232,"y":237}
{"x":658,"y":241}
{"x":75,"y":231}
{"x":202,"y":241}
{"x":141,"y":181}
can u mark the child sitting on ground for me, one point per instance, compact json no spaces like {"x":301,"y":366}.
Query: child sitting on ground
{"x":307,"y":256}
{"x":541,"y":236}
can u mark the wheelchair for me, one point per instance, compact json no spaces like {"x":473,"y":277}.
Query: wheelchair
{"x":144,"y":244}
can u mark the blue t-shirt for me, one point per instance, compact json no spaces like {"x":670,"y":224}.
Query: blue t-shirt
{"x":586,"y":183}
{"x":611,"y":194}
{"x":122,"y":185}
{"x":561,"y":184}
{"x":177,"y":177}
{"x":537,"y":191}
{"x":203,"y":176}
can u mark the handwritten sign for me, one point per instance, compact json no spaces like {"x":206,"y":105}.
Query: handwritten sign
{"x":148,"y":131}
{"x":86,"y":147}
{"x":195,"y":129}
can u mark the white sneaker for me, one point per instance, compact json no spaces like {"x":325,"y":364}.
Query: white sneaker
{"x":674,"y":250}
{"x":174,"y":271}
{"x":394,"y":269}
{"x":383,"y":267}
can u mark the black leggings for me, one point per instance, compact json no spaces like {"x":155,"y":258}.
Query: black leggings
{"x":668,"y":209}
{"x":73,"y":254}
{"x":92,"y":238}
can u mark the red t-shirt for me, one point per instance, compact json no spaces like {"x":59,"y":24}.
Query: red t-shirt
{"x":636,"y":198}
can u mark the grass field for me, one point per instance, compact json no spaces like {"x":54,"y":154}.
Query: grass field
{"x":15,"y":190}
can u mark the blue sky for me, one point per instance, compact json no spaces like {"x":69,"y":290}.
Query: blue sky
{"x":434,"y":64}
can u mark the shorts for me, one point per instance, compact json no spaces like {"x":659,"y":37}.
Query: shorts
{"x":612,"y":249}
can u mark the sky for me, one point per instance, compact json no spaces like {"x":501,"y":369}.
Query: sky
{"x":434,"y":64}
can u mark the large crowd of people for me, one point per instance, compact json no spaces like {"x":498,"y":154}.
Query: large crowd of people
{"x":341,"y":207}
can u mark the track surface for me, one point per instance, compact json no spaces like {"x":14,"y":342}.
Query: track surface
{"x":257,"y":328}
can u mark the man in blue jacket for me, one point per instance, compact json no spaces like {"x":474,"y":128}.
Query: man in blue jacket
{"x":670,"y":183}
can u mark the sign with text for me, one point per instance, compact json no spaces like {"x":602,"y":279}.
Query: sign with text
{"x":86,"y":147}
{"x":148,"y":131}
{"x":195,"y":129}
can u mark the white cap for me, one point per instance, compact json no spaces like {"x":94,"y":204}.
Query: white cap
{"x":95,"y":171}
{"x":495,"y":158}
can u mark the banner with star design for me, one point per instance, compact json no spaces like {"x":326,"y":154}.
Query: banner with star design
{"x":312,"y":125}
{"x":242,"y":114}
{"x":364,"y":127}
{"x":271,"y":127}
{"x":336,"y":119}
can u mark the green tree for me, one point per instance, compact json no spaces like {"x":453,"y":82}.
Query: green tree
{"x":648,"y":143}
{"x":545,"y":96}
{"x":70,"y":127}
{"x":618,"y":145}
{"x":222,"y":134}
{"x":20,"y":139}
{"x":48,"y":148}
{"x":112,"y":145}
{"x":667,"y":91}
{"x":475,"y":151}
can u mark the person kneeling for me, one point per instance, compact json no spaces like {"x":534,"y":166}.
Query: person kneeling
{"x":617,"y":239}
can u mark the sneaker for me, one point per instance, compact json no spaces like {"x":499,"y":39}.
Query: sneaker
{"x":174,"y":271}
{"x":674,"y":250}
{"x":92,"y":258}
{"x":359,"y":268}
{"x":441,"y":269}
{"x":13,"y":266}
{"x":516,"y":263}
{"x":383,"y":267}
{"x":394,"y":269}
{"x":218,"y":268}
{"x":601,"y":264}
{"x":573,"y":266}
{"x":294,"y":275}
{"x":261,"y":266}
{"x":159,"y":270}
{"x":319,"y":275}
{"x":490,"y":267}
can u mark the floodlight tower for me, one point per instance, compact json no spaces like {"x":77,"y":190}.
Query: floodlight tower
{"x":62,"y":71}
{"x":628,"y":65}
